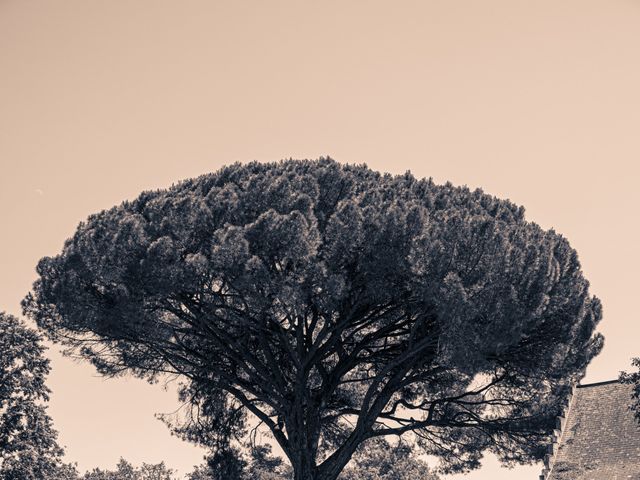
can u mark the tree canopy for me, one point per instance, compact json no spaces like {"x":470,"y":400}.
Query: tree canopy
{"x":335,"y":304}
{"x":28,"y":446}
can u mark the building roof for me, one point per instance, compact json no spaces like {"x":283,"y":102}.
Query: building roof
{"x":598,"y":438}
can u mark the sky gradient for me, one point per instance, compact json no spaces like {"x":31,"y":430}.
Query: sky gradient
{"x":537,"y":102}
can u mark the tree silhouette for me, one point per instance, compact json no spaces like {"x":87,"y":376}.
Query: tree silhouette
{"x":633,"y":378}
{"x":376,"y":459}
{"x":28,"y":446}
{"x":126,"y":471}
{"x":335,"y":304}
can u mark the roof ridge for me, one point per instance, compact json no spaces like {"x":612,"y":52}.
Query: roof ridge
{"x":595,"y":384}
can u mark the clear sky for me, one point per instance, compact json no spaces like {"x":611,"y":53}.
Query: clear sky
{"x":535,"y":101}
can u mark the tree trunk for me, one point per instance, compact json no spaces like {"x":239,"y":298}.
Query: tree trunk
{"x":305,"y":474}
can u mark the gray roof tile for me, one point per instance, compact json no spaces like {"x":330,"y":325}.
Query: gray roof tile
{"x":600,"y":438}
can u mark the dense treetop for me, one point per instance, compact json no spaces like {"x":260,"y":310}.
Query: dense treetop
{"x":335,"y":304}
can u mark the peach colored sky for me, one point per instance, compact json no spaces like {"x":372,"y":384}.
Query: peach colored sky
{"x":537,"y":102}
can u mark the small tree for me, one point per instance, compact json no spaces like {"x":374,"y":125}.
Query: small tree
{"x":633,"y":378}
{"x":263,"y":465}
{"x":376,"y":459}
{"x":221,"y":465}
{"x":28,"y":447}
{"x":235,"y":464}
{"x":126,"y":471}
{"x":335,"y":305}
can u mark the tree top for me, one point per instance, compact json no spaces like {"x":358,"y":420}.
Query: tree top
{"x":313,"y":283}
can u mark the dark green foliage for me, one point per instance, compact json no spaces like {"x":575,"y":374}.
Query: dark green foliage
{"x":335,"y":304}
{"x":263,"y":465}
{"x":28,"y":447}
{"x":126,"y":471}
{"x":233,"y":464}
{"x":378,"y":460}
{"x":221,"y":465}
{"x":633,"y":378}
{"x":373,"y":460}
{"x":67,"y":471}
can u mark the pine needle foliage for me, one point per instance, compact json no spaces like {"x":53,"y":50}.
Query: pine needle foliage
{"x":335,"y":304}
